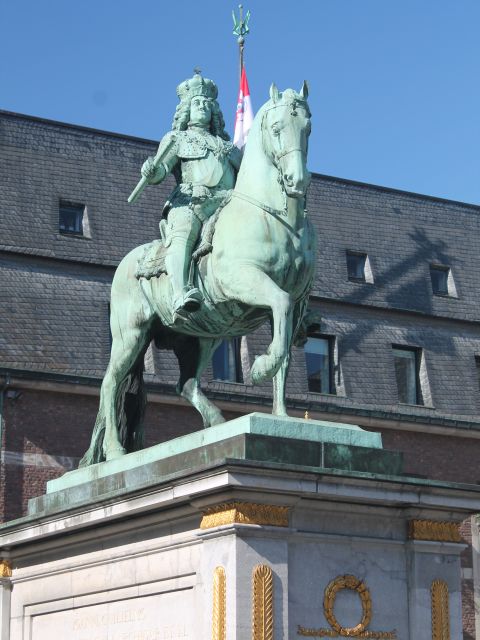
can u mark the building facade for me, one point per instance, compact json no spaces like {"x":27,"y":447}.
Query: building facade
{"x":397,"y":292}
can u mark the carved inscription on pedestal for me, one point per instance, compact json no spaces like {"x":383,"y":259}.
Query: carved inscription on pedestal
{"x":165,"y":616}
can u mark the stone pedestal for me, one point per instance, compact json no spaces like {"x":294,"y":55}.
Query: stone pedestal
{"x":259,"y":528}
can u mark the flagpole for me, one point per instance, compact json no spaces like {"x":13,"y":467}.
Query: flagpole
{"x":240,"y":29}
{"x":241,"y":40}
{"x":244,"y":113}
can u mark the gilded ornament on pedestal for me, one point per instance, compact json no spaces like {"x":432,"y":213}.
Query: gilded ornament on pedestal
{"x":262,"y":604}
{"x":434,"y":530}
{"x":5,"y":569}
{"x":440,"y":611}
{"x":337,"y":630}
{"x":219,"y":617}
{"x":244,"y":513}
{"x":347,"y":582}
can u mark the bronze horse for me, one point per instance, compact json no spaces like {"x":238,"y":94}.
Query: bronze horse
{"x":261,"y":268}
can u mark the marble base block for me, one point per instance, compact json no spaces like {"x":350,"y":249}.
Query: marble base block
{"x":251,"y":533}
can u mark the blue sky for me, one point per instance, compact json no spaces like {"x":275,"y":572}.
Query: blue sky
{"x":394,"y":84}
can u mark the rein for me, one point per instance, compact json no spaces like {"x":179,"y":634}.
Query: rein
{"x":276,"y":213}
{"x":260,"y":205}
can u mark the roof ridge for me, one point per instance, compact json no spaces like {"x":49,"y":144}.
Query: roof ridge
{"x":347,"y":181}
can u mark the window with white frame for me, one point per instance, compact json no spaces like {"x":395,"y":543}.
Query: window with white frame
{"x":319,"y":361}
{"x":226,"y":361}
{"x":407,"y":373}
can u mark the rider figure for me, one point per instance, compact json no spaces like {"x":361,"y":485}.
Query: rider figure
{"x":204,"y":162}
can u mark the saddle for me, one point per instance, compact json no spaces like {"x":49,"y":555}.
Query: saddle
{"x":151,"y":264}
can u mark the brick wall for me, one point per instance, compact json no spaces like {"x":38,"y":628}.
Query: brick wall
{"x":46,"y":433}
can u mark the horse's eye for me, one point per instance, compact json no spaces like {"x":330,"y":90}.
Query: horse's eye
{"x":275,"y":131}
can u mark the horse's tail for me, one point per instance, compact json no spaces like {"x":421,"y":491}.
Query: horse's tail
{"x":130,"y":412}
{"x":132,"y":401}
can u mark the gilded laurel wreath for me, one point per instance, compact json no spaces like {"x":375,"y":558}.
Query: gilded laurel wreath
{"x":353,"y":583}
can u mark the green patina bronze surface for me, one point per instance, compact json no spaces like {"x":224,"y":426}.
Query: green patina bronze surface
{"x":255,"y":438}
{"x":254,"y":255}
{"x":258,"y":424}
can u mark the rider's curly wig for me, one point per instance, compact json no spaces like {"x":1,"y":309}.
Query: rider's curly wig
{"x":217,"y":123}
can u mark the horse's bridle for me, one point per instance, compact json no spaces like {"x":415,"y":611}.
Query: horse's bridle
{"x":279,"y":214}
{"x":272,"y":154}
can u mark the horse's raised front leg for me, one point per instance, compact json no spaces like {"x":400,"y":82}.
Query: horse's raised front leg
{"x":194,"y":355}
{"x":256,"y":288}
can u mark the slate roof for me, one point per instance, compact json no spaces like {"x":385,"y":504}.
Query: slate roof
{"x":54,"y":289}
{"x":43,"y":162}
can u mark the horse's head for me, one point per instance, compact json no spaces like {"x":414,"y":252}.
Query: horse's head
{"x":285,"y":131}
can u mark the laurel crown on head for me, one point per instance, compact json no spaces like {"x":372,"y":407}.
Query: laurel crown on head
{"x":197,"y":86}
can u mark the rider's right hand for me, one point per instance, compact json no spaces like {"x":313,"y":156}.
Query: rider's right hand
{"x":148,"y":169}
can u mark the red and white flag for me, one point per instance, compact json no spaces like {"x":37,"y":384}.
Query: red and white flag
{"x":244,"y":115}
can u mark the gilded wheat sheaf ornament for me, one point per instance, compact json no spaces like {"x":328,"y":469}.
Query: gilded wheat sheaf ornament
{"x":236,"y":512}
{"x":435,"y":530}
{"x":219,"y":616}
{"x":262,"y":609}
{"x":5,"y":569}
{"x":440,"y":611}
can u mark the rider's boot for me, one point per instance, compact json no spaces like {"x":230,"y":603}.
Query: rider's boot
{"x":186,"y":298}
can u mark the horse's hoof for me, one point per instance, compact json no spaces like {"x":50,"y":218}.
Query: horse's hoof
{"x":113,"y":454}
{"x":216,"y":419}
{"x":261,"y":369}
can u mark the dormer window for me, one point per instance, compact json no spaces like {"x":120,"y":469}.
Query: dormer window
{"x":358,"y":267}
{"x":442,"y":281}
{"x":72,"y":219}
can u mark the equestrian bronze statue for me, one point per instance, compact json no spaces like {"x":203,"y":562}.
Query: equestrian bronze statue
{"x":236,"y":250}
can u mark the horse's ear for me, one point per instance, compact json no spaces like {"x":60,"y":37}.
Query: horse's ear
{"x":274,"y":93}
{"x":304,"y":90}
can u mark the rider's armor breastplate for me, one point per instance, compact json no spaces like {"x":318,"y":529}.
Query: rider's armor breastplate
{"x":204,"y":158}
{"x":191,"y":145}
